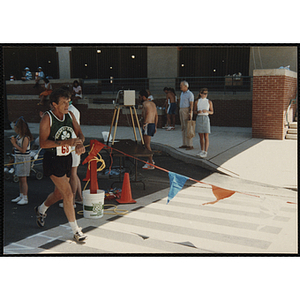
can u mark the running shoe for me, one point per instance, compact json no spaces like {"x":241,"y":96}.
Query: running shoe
{"x":203,"y":154}
{"x":170,"y":128}
{"x":148,"y":167}
{"x":200,"y":153}
{"x":40,"y":219}
{"x":79,"y":236}
{"x":23,"y":201}
{"x":17,"y":199}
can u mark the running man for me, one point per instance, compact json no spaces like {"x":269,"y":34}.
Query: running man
{"x":150,"y":119}
{"x":56,"y":128}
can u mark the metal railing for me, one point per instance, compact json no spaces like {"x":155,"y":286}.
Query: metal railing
{"x":224,"y":84}
{"x":220,"y":83}
{"x":112,"y":85}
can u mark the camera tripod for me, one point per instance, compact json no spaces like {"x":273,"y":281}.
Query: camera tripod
{"x":115,"y":120}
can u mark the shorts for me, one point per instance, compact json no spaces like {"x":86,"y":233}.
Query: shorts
{"x":22,"y":168}
{"x":75,"y":159}
{"x":149,"y":129}
{"x":172,"y":109}
{"x":202,"y":124}
{"x":57,"y":165}
{"x":45,"y":93}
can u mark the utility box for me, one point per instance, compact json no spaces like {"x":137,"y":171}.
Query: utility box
{"x":129,"y":98}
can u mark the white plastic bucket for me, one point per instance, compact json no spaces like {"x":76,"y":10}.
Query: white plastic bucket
{"x":93,"y":204}
{"x":105,"y":136}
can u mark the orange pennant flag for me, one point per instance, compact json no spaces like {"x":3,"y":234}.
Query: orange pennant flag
{"x":220,"y":194}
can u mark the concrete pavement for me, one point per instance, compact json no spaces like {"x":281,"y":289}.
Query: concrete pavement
{"x":232,"y":151}
{"x":261,"y":217}
{"x":257,"y":219}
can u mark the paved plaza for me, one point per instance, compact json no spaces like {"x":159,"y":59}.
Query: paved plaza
{"x":261,"y":217}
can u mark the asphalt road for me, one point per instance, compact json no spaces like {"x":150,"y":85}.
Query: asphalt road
{"x":20,"y":221}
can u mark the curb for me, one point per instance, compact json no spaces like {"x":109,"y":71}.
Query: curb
{"x":186,"y":158}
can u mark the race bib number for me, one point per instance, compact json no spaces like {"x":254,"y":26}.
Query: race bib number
{"x":63,"y":150}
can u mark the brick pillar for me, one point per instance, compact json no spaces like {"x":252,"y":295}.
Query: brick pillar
{"x":272,"y":91}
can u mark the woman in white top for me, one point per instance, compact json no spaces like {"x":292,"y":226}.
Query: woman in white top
{"x":203,"y":108}
{"x":76,"y":92}
{"x":150,"y":97}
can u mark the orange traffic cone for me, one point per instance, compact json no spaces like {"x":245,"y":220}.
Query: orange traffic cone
{"x":126,"y":191}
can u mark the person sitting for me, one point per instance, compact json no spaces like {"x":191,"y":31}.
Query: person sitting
{"x":28,"y":75}
{"x":39,"y":76}
{"x":76,"y":92}
{"x":46,"y":92}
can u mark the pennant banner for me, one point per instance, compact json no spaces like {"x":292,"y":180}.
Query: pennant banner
{"x":220,"y":194}
{"x":177,"y":181}
{"x":176,"y":184}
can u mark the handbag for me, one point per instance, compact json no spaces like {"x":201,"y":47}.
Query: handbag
{"x":190,"y":129}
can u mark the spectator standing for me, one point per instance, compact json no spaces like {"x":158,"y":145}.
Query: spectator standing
{"x":150,"y":97}
{"x":21,"y":145}
{"x":150,"y":119}
{"x":172,"y":100}
{"x":203,"y":108}
{"x":166,"y":107}
{"x":74,"y":179}
{"x":186,"y":104}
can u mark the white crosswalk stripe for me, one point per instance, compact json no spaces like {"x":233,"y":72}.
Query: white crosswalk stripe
{"x":239,"y":224}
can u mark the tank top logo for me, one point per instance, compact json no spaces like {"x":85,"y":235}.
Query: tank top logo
{"x":64,"y":133}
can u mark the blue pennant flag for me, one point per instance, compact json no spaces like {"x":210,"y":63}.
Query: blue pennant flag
{"x":176,"y":183}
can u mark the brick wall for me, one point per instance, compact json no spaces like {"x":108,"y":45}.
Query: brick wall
{"x":232,"y":113}
{"x":272,"y":92}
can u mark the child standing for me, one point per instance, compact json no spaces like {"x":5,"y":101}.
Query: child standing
{"x":21,"y":145}
{"x":203,"y":108}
